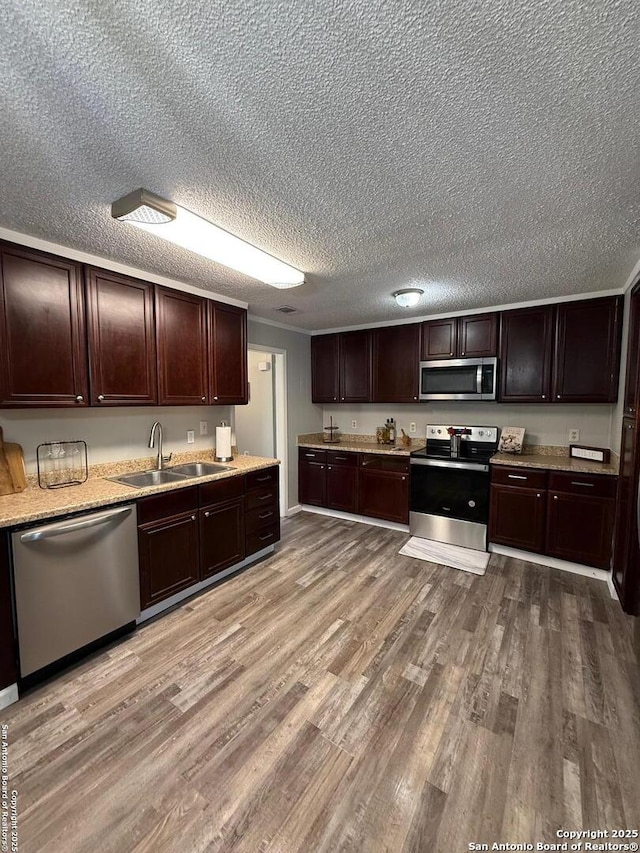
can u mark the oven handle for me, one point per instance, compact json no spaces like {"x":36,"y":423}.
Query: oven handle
{"x":437,"y":463}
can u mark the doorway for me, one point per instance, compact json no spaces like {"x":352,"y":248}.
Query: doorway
{"x":261,"y":426}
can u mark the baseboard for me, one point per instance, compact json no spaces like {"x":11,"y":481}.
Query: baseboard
{"x":361,"y":519}
{"x":294,"y":510}
{"x":612,"y":587}
{"x":168,"y":603}
{"x":8,"y":696}
{"x":552,"y":562}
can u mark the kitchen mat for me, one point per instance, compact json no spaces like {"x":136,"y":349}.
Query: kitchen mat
{"x":465,"y":559}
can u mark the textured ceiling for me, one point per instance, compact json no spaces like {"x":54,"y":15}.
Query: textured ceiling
{"x":486,"y":151}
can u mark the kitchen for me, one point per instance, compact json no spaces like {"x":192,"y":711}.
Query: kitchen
{"x":317,"y":689}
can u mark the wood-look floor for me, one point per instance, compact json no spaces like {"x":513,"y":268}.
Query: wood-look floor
{"x":340,"y":697}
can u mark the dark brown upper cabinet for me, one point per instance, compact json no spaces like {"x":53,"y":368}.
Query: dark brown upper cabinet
{"x":587,"y":351}
{"x":341,"y":367}
{"x":227,"y":355}
{"x":43,"y":359}
{"x":396,"y":359}
{"x":474,"y":336}
{"x":525,"y":354}
{"x":181,"y":334}
{"x":122,"y":341}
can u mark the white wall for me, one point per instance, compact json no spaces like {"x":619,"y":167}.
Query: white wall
{"x":254,"y":423}
{"x":302,"y":415}
{"x":544,"y":424}
{"x":111,"y":433}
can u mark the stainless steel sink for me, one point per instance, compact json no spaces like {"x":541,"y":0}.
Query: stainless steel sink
{"x":199,"y":469}
{"x":149,"y":478}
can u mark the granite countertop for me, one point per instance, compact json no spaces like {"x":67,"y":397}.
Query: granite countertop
{"x":556,"y":462}
{"x":358,"y":444}
{"x":36,"y":504}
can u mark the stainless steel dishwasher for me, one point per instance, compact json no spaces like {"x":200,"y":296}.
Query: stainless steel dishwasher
{"x":76,"y":581}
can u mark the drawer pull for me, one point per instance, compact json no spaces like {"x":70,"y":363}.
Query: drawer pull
{"x":265,"y":515}
{"x":263,"y":479}
{"x":310,"y":455}
{"x":517,"y":477}
{"x":265,"y":497}
{"x":586,"y":485}
{"x":341,"y":458}
{"x":264,"y":538}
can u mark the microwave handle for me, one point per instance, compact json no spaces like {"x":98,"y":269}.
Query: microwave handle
{"x":479,"y":380}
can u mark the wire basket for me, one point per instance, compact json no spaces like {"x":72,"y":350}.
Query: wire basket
{"x":62,"y":463}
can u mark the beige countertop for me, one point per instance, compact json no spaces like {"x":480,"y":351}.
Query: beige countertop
{"x":358,"y":444}
{"x":36,"y":504}
{"x":556,"y":463}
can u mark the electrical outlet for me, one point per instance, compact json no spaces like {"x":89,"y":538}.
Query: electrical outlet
{"x":191,"y":436}
{"x":204,"y":427}
{"x":412,"y":427}
{"x":574,"y":435}
{"x":354,"y":424}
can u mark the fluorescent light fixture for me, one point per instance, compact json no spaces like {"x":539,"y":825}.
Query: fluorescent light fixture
{"x":409,"y":297}
{"x":157,"y":216}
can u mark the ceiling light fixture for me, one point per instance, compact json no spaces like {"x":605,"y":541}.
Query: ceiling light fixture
{"x":156,"y":215}
{"x":408,"y":297}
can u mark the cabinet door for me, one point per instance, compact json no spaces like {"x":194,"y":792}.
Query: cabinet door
{"x":355,"y":367}
{"x":312,"y":483}
{"x":342,"y":487}
{"x":632,"y":381}
{"x":517,"y":517}
{"x":383,"y":495}
{"x":324,"y":368}
{"x":587,"y":351}
{"x":221,"y":537}
{"x":227,"y":354}
{"x":181,"y":333}
{"x":396,"y":360}
{"x":526,"y":347}
{"x":43,"y":358}
{"x":168,"y":553}
{"x":626,"y":557}
{"x":580,"y":528}
{"x":439,"y":339}
{"x":478,"y":336}
{"x":122,"y":341}
{"x":8,"y":656}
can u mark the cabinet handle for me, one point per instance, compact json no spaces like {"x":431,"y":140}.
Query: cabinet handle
{"x":558,"y":397}
{"x":206,"y":515}
{"x":341,"y":458}
{"x":310,"y":455}
{"x":538,"y":495}
{"x":322,"y":467}
{"x":193,"y":518}
{"x":342,"y":398}
{"x":269,"y":496}
{"x":586,"y":485}
{"x":100,"y":397}
{"x":461,"y":353}
{"x":555,"y":497}
{"x":404,"y":478}
{"x":415,"y":398}
{"x":450,"y":353}
{"x":517,"y":477}
{"x":329,"y":468}
{"x":265,"y":515}
{"x":215,"y":398}
{"x":264,"y":538}
{"x":263,"y":479}
{"x":544,"y":396}
{"x":629,"y":426}
{"x":79,"y":398}
{"x":204,"y":398}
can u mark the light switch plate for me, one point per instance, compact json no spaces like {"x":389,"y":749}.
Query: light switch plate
{"x":191,"y":436}
{"x":204,"y":427}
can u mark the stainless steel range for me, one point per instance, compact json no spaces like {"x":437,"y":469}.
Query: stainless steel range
{"x":450,"y":485}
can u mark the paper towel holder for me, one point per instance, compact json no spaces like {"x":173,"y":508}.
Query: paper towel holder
{"x":223,"y":426}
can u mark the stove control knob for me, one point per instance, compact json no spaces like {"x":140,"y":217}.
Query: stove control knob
{"x":481,"y":432}
{"x":472,"y":504}
{"x":439,"y":431}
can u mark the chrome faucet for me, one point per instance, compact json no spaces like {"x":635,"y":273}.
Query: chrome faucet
{"x":156,"y":429}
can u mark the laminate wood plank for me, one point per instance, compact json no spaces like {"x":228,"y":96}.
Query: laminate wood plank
{"x":338,"y":696}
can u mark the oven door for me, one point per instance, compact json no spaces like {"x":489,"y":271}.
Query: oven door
{"x":450,"y":489}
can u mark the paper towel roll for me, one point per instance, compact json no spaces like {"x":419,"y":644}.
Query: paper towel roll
{"x":223,"y":444}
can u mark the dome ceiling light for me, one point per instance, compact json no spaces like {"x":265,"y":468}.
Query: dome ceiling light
{"x":409,"y":297}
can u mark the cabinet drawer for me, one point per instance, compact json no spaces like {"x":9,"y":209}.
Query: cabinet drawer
{"x":223,"y":490}
{"x":263,"y":516}
{"x":260,"y":479}
{"x":306,"y":454}
{"x":600,"y":486}
{"x":342,"y":457}
{"x":529,"y":478}
{"x":262,"y":538}
{"x":168,"y":504}
{"x":261,"y":498}
{"x":396,"y":464}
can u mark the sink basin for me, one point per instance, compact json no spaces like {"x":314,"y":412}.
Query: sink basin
{"x":149,"y":478}
{"x":199,"y":469}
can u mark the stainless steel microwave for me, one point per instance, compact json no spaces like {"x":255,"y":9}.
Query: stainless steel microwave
{"x":459,"y":379}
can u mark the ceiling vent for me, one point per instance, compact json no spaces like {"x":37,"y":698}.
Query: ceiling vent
{"x":287,"y":309}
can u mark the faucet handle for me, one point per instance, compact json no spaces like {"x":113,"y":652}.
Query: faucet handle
{"x":167,"y":458}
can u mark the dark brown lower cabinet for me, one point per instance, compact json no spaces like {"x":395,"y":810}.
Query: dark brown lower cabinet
{"x":383,"y":487}
{"x":168,"y":553}
{"x":342,"y":481}
{"x":221,"y":536}
{"x":312,"y":483}
{"x":262,"y":508}
{"x":568,"y":516}
{"x":8,"y":655}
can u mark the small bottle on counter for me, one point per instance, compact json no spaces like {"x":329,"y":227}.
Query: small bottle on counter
{"x":392,"y":431}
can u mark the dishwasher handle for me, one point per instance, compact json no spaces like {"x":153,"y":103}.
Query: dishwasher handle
{"x":52,"y":530}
